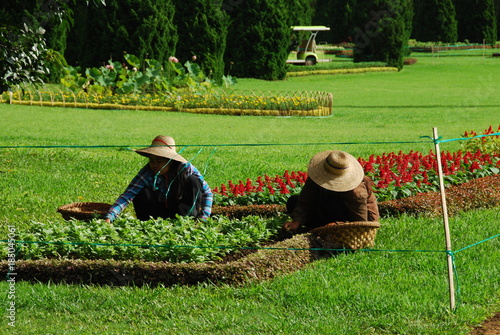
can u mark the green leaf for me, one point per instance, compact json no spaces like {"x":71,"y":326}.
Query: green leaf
{"x":133,"y":60}
{"x":93,"y":73}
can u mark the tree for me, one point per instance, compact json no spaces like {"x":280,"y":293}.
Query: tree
{"x":300,"y":12}
{"x":21,"y":56}
{"x":382,"y":30}
{"x":22,"y":41}
{"x":476,"y":21}
{"x":258,"y":39}
{"x":435,"y":20}
{"x":338,"y":15}
{"x":497,"y":15}
{"x":203,"y":26}
{"x":144,"y":28}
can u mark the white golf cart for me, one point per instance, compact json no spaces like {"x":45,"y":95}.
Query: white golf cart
{"x":306,"y":51}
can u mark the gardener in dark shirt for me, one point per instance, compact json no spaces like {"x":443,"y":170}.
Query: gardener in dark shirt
{"x":336,"y":190}
{"x":167,"y":186}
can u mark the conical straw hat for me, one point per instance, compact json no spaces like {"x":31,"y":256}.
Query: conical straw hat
{"x":335,"y":170}
{"x":162,"y":146}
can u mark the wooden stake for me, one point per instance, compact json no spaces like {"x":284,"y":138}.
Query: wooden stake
{"x":445,"y":221}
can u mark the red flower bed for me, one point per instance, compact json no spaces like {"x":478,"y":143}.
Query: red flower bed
{"x":280,"y":184}
{"x":396,"y":175}
{"x":478,"y":193}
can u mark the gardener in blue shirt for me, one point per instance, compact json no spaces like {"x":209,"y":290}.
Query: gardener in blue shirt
{"x":167,"y":186}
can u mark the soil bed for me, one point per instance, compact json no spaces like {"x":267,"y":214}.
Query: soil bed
{"x":489,"y":327}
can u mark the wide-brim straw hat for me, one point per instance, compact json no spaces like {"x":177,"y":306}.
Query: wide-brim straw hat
{"x":335,"y":170}
{"x":162,"y":146}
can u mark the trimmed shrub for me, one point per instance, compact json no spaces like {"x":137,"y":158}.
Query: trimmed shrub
{"x":382,"y":31}
{"x":477,"y":21}
{"x":141,"y":27}
{"x":204,"y":32}
{"x":339,"y":16}
{"x":435,"y":20}
{"x":258,"y":40}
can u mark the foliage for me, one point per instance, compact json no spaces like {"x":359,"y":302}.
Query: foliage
{"x":339,"y":16}
{"x":141,"y":27}
{"x":21,"y":56}
{"x":56,"y":65}
{"x":485,"y":142}
{"x":115,"y":78}
{"x":258,"y":40}
{"x":477,"y":21}
{"x":204,"y":28}
{"x":183,"y":239}
{"x":401,"y":175}
{"x":212,"y":101}
{"x":22,"y":43}
{"x":382,"y":31}
{"x":435,"y":21}
{"x":265,"y":190}
{"x":259,"y":265}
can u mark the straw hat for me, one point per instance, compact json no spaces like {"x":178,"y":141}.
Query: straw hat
{"x":335,"y":170}
{"x":162,"y":146}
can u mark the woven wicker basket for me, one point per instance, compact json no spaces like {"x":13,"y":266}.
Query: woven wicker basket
{"x":84,"y":210}
{"x":347,"y":235}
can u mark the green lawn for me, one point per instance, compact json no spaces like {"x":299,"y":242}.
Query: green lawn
{"x":363,"y":293}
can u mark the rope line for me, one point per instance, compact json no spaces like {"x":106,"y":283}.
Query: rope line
{"x":468,"y":138}
{"x":430,"y":140}
{"x":202,"y":145}
{"x":241,"y":248}
{"x":477,"y":243}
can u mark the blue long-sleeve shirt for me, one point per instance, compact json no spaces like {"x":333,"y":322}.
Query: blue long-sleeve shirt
{"x":146,"y":178}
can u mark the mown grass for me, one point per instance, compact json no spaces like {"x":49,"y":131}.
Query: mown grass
{"x":360,"y":293}
{"x":390,"y":291}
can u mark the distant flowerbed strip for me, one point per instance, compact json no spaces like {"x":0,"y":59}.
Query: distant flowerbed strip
{"x":230,"y":103}
{"x":341,"y":71}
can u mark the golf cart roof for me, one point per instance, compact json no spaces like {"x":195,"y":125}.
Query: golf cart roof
{"x":310,"y":28}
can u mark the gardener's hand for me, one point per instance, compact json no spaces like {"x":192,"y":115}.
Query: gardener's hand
{"x":108,"y":220}
{"x":291,"y":226}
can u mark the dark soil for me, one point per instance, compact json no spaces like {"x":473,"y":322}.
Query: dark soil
{"x":489,"y":327}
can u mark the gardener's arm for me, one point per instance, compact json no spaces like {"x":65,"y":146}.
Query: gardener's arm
{"x":305,"y":206}
{"x":206,"y":193}
{"x":135,"y":186}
